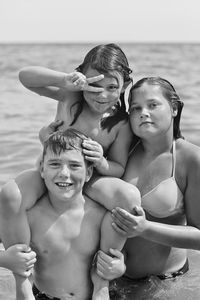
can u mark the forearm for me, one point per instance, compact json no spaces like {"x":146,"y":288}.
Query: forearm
{"x":23,"y":288}
{"x":41,"y":77}
{"x":110,"y":168}
{"x":186,"y":237}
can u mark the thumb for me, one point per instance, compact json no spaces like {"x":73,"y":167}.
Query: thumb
{"x":24,"y":248}
{"x":139,"y":210}
{"x":116,"y":253}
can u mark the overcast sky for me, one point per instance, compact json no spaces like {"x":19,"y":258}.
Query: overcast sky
{"x":99,"y":20}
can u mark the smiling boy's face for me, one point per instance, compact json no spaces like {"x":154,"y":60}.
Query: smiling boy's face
{"x":65,"y":173}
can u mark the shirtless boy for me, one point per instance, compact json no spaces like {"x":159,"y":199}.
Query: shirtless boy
{"x":65,"y":224}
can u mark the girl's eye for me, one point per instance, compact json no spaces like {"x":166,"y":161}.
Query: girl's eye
{"x":113,"y":87}
{"x":153,"y":105}
{"x":134,"y":109}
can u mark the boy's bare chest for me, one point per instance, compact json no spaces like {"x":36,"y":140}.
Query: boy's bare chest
{"x":66,"y":234}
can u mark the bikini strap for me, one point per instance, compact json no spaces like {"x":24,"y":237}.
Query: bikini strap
{"x":173,"y":158}
{"x":134,"y":147}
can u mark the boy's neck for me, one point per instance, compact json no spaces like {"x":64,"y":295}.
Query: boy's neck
{"x":61,"y":206}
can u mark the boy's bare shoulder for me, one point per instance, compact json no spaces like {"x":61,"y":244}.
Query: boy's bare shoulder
{"x":93,"y":205}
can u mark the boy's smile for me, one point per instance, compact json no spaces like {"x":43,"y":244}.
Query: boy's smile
{"x":64,"y":174}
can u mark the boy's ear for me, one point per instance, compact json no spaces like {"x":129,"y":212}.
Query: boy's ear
{"x":41,"y":168}
{"x":89,"y":172}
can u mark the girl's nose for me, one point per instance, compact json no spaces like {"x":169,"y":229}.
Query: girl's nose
{"x":103,"y":94}
{"x":144,"y":113}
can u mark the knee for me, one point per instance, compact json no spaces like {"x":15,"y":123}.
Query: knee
{"x":10,"y":198}
{"x":128,"y":196}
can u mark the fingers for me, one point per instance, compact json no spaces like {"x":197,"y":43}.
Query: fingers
{"x":102,"y":256}
{"x":139,"y":210}
{"x":21,"y":247}
{"x":122,"y":213}
{"x":30,"y":262}
{"x":92,"y":151}
{"x":116,"y":253}
{"x":95,"y":78}
{"x":80,"y":81}
{"x":119,"y":230}
{"x":90,"y":144}
{"x":26,"y":273}
{"x":93,"y":89}
{"x":122,"y":217}
{"x":55,"y":125}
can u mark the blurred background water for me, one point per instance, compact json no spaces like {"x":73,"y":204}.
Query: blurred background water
{"x":23,"y":113}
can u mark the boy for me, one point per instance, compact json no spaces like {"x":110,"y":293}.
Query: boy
{"x":65,"y":224}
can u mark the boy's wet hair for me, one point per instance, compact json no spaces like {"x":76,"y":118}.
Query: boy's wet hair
{"x":61,"y":141}
{"x":107,"y":59}
{"x":168,"y":92}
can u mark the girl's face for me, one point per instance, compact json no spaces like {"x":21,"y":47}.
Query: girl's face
{"x":150,"y":112}
{"x":112,"y":85}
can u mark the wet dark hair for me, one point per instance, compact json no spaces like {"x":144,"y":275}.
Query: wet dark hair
{"x":61,"y":141}
{"x":169,"y":93}
{"x":106,"y":59}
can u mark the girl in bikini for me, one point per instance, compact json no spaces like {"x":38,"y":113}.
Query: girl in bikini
{"x":166,"y":169}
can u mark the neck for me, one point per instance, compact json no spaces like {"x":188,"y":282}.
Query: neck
{"x":157,"y":145}
{"x":61,"y":205}
{"x":93,"y":114}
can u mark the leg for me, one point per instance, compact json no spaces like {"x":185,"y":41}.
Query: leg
{"x":111,"y":192}
{"x":15,"y":198}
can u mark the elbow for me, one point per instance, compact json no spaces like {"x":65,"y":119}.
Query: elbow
{"x":23,"y":75}
{"x":27,"y":75}
{"x":10,"y":199}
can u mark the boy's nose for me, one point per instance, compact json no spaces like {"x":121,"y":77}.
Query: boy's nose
{"x":65,"y":171}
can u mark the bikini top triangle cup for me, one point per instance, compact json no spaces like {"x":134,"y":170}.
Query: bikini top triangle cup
{"x":166,"y":199}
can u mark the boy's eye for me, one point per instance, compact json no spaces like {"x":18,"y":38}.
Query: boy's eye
{"x":75,"y":166}
{"x":54,"y":164}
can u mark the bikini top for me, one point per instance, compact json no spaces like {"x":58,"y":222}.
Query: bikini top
{"x":166,"y":199}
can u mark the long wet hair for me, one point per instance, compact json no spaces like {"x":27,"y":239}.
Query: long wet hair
{"x":61,"y":141}
{"x":107,"y":59}
{"x":169,"y":93}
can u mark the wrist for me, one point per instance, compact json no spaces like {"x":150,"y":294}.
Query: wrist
{"x":101,"y":165}
{"x":147,"y":229}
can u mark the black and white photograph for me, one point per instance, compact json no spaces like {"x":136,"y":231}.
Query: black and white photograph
{"x":100,"y":150}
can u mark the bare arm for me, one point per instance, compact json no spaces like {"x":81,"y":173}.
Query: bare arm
{"x":114,"y":164}
{"x":180,"y":236}
{"x":55,"y":84}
